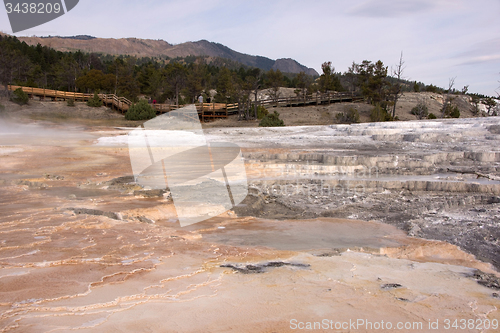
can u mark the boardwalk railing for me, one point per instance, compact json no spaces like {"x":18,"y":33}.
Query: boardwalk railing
{"x":206,"y":111}
{"x":119,"y":103}
{"x":317,"y":98}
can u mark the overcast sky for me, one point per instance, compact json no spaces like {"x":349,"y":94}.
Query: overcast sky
{"x":440,"y":39}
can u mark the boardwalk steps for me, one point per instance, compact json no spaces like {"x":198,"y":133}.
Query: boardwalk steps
{"x":206,"y":111}
{"x":121,"y":104}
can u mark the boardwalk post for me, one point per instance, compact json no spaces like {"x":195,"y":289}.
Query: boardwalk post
{"x":221,"y":110}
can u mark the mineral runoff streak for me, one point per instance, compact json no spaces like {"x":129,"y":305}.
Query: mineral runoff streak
{"x":27,"y":14}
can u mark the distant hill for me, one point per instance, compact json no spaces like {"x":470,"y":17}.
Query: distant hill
{"x":160,"y":48}
{"x":291,"y":66}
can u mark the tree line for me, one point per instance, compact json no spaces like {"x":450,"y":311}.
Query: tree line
{"x":182,"y":80}
{"x":178,"y":80}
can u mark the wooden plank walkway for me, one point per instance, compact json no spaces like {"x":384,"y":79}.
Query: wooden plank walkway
{"x":206,"y":111}
{"x":121,"y":104}
{"x":315,"y":99}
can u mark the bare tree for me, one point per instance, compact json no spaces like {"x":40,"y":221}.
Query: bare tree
{"x":351,"y":75}
{"x":248,"y":88}
{"x":242,"y":89}
{"x":6,"y":67}
{"x":421,"y":110}
{"x":498,"y":91}
{"x":303,"y":83}
{"x":448,"y":99}
{"x":254,"y":85}
{"x":13,"y":65}
{"x":275,"y":81}
{"x":396,"y":90}
{"x":237,"y":93}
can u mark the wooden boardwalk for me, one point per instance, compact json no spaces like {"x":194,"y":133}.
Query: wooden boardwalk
{"x":206,"y":111}
{"x":315,"y":99}
{"x":111,"y":100}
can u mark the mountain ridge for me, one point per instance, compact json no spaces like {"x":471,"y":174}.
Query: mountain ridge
{"x":158,"y":48}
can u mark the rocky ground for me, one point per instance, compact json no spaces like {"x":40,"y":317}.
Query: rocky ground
{"x":59,"y":112}
{"x":393,"y":222}
{"x":432,"y":179}
{"x":326,"y":114}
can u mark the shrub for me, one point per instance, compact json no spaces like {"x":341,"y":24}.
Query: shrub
{"x":455,"y":113}
{"x":475,"y":100}
{"x":271,"y":120}
{"x":379,"y":114}
{"x":95,"y":101}
{"x":19,"y":97}
{"x":431,"y":116}
{"x":71,"y":102}
{"x":432,"y":88}
{"x":261,"y":112}
{"x":451,"y":111}
{"x":140,"y":111}
{"x":351,"y":115}
{"x":420,"y":110}
{"x":490,"y":104}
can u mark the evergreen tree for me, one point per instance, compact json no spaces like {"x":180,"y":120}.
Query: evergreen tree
{"x":224,"y":86}
{"x":96,"y":80}
{"x":372,"y":80}
{"x":272,"y":120}
{"x":140,"y":111}
{"x":329,"y":81}
{"x":176,"y":77}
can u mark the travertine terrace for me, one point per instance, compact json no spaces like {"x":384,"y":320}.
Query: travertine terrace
{"x":394,"y":222}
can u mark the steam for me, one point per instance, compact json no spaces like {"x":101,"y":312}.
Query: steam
{"x":13,"y":133}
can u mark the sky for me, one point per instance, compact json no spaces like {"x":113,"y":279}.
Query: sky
{"x":439,"y":39}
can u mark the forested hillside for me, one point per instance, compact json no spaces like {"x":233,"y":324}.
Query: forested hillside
{"x":182,"y":80}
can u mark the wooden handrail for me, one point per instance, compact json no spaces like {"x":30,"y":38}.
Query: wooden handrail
{"x":124,"y":104}
{"x":119,"y":102}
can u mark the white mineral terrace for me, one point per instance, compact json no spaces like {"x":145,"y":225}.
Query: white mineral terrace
{"x":388,"y":222}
